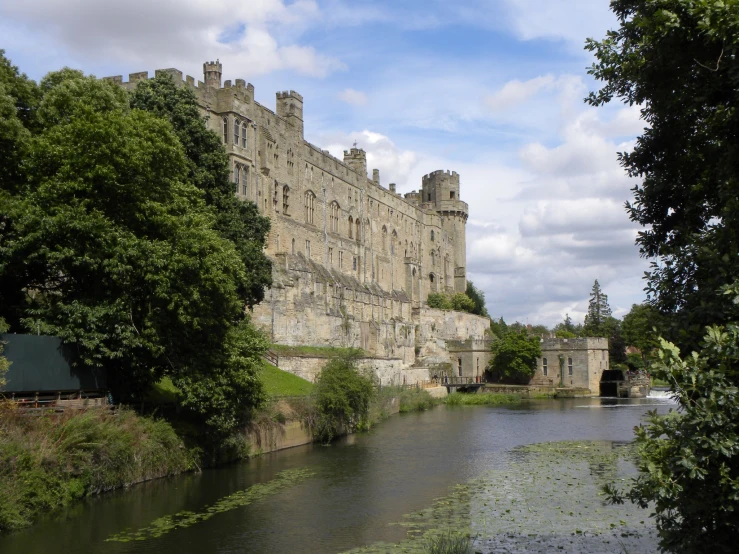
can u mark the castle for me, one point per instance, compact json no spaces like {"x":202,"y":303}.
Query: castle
{"x":353,"y":261}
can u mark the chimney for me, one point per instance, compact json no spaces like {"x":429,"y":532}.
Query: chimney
{"x":392,"y":187}
{"x":376,"y":176}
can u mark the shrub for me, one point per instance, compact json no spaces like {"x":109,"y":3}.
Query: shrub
{"x":342,"y":397}
{"x":439,"y":300}
{"x":415,"y":400}
{"x":459,"y":301}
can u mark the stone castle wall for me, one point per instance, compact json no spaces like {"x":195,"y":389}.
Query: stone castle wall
{"x":353,"y":261}
{"x":588,"y":357}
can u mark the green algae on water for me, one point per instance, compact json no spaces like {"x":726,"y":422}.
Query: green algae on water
{"x":163,"y":525}
{"x":546,"y":497}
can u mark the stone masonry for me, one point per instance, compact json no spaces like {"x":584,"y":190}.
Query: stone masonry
{"x":353,"y":261}
{"x":572,"y":363}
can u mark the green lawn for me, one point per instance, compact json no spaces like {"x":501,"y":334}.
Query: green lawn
{"x":281,"y":383}
{"x":314,"y":351}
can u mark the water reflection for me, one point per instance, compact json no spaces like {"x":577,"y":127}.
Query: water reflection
{"x":361,"y":486}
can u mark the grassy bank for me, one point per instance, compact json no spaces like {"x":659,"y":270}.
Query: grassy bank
{"x":482,"y":399}
{"x":50,"y":461}
{"x":282,"y":383}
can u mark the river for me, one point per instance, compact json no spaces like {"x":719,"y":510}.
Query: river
{"x":465,"y":468}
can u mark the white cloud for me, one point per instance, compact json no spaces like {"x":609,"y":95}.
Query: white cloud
{"x":251,"y":38}
{"x":517,"y":92}
{"x":353,"y":97}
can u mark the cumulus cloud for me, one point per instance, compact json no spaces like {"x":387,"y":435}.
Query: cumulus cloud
{"x":353,"y":97}
{"x":517,"y":92}
{"x":395,"y":164}
{"x":251,"y":38}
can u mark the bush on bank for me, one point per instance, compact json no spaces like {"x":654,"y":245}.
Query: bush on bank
{"x":49,"y":461}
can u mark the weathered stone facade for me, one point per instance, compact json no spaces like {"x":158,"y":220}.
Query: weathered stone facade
{"x":353,"y":261}
{"x":572,"y":363}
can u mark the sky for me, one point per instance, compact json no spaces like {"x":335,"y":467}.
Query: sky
{"x":492,"y":89}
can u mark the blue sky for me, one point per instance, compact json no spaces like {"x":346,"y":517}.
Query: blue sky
{"x":491,"y":89}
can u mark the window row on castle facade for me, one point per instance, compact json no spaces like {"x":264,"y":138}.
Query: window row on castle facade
{"x":239,"y":132}
{"x":241,"y":178}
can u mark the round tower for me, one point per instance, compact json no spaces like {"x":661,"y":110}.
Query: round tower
{"x":212,"y":72}
{"x":440,"y":192}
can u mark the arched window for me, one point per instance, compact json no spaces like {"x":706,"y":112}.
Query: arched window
{"x":225,"y":130}
{"x":310,"y":200}
{"x":285,"y":199}
{"x":243,"y":134}
{"x":237,"y":126}
{"x":393,"y":240}
{"x":384,"y":238}
{"x":358,"y":224}
{"x":351,"y":227}
{"x":237,"y":175}
{"x":334,"y":217}
{"x":433,"y":259}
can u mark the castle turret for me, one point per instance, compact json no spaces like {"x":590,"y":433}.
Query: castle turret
{"x":290,"y":107}
{"x":212,"y":72}
{"x":440,"y":192}
{"x":356,"y":158}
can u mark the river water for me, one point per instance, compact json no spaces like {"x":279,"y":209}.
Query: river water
{"x":520,"y":478}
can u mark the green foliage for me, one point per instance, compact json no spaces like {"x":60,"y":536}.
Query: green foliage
{"x":458,"y":301}
{"x":341,"y":397}
{"x":4,"y":363}
{"x":439,"y":301}
{"x":478,"y":298}
{"x":480,"y":399}
{"x":208,"y":169}
{"x":415,"y":400}
{"x":598,"y":314}
{"x":499,"y":327}
{"x":282,"y":383}
{"x":567,"y":329}
{"x":449,"y":543}
{"x":122,"y":237}
{"x":641,"y":328}
{"x":678,"y":60}
{"x":689,"y":460}
{"x":514,"y":356}
{"x":49,"y":461}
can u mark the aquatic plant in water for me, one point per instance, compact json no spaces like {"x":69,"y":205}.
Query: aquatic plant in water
{"x":180,"y":520}
{"x":545,"y":497}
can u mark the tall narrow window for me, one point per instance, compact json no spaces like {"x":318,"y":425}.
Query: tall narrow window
{"x":432,"y":235}
{"x":285,"y":200}
{"x":307,"y":249}
{"x":334,"y":217}
{"x":225,"y":130}
{"x":237,"y":127}
{"x":309,"y":206}
{"x":459,"y":365}
{"x":243,"y":134}
{"x":330,"y":256}
{"x":237,"y":175}
{"x":544,"y":366}
{"x":351,"y":227}
{"x":292,"y":247}
{"x":341,"y":259}
{"x":569,"y":366}
{"x":357,"y":223}
{"x":245,"y":180}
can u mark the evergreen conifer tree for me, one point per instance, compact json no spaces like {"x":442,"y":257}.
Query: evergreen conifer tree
{"x":599,"y":311}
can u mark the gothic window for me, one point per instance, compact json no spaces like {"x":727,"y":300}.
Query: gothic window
{"x":433,"y":259}
{"x":243,"y":134}
{"x":275,"y":195}
{"x":384,"y":238}
{"x":310,"y":200}
{"x":358,"y":225}
{"x":225,"y":130}
{"x":237,"y":175}
{"x":334,"y":227}
{"x":544,"y":366}
{"x":285,"y":199}
{"x":237,"y":126}
{"x":330,"y":256}
{"x":307,"y":249}
{"x":245,"y":180}
{"x":351,"y":227}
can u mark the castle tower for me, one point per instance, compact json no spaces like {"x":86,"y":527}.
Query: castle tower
{"x":290,"y":107}
{"x":440,"y":192}
{"x":356,"y":158}
{"x":212,"y":72}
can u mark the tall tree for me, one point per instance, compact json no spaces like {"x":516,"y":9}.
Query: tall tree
{"x":514,"y":356}
{"x":114,"y":250}
{"x":598,"y":311}
{"x":641,"y":328}
{"x":207,"y":167}
{"x":678,"y":60}
{"x":478,"y":297}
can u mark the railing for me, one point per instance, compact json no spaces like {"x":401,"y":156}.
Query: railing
{"x":447,"y":380}
{"x":272,"y":357}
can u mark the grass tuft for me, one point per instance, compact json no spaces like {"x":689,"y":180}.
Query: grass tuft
{"x":449,"y":543}
{"x":481,"y":399}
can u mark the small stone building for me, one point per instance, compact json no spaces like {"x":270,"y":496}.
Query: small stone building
{"x":572,"y":363}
